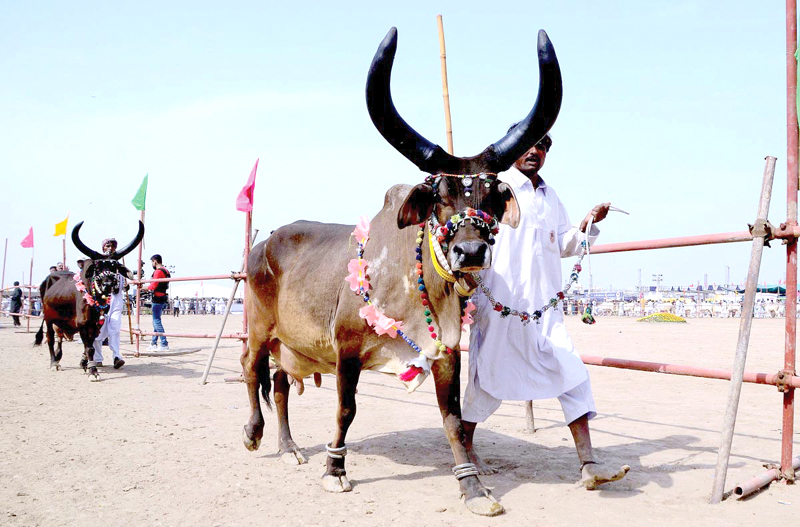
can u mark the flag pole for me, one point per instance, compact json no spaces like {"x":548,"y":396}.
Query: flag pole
{"x":139,"y":292}
{"x":64,"y":251}
{"x":30,"y":292}
{"x":3,"y":279}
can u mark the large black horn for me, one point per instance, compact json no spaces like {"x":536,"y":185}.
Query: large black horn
{"x":427,"y":156}
{"x":131,"y":246}
{"x":541,"y":118}
{"x":76,"y":239}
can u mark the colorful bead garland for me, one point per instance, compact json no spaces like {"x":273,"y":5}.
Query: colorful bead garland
{"x":482,"y":220}
{"x":524,"y":316}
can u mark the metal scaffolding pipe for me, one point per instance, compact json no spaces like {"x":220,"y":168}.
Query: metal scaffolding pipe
{"x":189,"y":335}
{"x":665,"y":243}
{"x":229,"y":276}
{"x":752,"y":485}
{"x":689,"y":371}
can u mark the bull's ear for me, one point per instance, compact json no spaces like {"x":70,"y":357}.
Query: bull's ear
{"x":417,"y":206}
{"x":88,"y":268}
{"x":511,"y":212}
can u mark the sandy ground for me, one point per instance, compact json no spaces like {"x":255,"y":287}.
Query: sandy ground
{"x":150,"y":446}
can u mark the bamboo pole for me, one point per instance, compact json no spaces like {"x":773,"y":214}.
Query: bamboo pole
{"x":445,"y":90}
{"x":30,"y":293}
{"x":3,"y":279}
{"x":128,"y":305}
{"x":745,"y":325}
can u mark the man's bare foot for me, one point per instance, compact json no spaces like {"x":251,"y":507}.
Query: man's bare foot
{"x":483,"y":468}
{"x":593,"y":475}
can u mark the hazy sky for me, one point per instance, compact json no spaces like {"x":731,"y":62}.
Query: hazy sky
{"x":669,"y":110}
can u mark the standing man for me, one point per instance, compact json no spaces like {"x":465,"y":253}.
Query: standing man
{"x":160,"y":298}
{"x":16,"y":303}
{"x":113,"y":319}
{"x":512,"y":361}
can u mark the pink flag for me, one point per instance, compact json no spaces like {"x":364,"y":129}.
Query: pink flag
{"x":244,"y":201}
{"x":28,"y":240}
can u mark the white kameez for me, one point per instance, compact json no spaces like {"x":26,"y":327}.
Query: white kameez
{"x":509,"y":360}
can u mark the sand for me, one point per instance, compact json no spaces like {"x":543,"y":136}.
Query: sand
{"x":150,"y":446}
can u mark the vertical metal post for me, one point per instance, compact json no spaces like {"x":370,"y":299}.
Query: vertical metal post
{"x":445,"y":90}
{"x":737,"y":375}
{"x":787,"y":469}
{"x":64,"y":251}
{"x":139,"y":293}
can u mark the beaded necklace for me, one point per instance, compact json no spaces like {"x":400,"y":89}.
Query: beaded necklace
{"x":526,"y":317}
{"x":384,"y":325}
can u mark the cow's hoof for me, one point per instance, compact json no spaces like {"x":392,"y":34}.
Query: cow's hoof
{"x":55,"y":365}
{"x":84,"y":364}
{"x":94,"y":377}
{"x":294,"y":457}
{"x":484,"y":506}
{"x":333,"y":483}
{"x":250,"y":444}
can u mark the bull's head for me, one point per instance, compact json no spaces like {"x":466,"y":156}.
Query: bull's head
{"x":99,"y":273}
{"x":462,"y":197}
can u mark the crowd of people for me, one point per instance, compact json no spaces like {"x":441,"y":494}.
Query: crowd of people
{"x":686,"y":308}
{"x":197,"y":306}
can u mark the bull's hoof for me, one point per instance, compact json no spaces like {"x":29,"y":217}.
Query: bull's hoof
{"x":484,"y":506}
{"x":93,"y":375}
{"x":250,"y":444}
{"x":337,"y":484}
{"x":294,"y":457}
{"x":84,"y":364}
{"x":55,"y":365}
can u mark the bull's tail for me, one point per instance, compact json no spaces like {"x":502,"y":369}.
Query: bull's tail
{"x":39,"y":335}
{"x":265,"y":381}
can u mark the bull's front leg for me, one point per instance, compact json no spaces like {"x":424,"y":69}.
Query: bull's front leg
{"x":478,"y":499}
{"x":348,"y":372}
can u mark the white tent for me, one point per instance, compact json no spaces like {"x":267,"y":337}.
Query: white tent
{"x":216,"y":289}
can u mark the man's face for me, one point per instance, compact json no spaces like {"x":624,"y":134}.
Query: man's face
{"x":533,"y":160}
{"x":109,"y":247}
{"x":154,"y":262}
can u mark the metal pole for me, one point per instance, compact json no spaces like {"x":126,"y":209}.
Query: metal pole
{"x":139,"y":292}
{"x":64,"y":251}
{"x":744,"y":334}
{"x":219,"y":334}
{"x":787,"y":433}
{"x":445,"y":90}
{"x":530,"y":426}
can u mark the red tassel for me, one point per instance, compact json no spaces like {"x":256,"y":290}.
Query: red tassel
{"x":410,"y":374}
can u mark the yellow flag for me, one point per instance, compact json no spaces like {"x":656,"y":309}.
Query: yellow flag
{"x":61,"y":228}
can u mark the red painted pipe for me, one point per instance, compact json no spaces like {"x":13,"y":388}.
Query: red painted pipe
{"x":752,"y":485}
{"x":230,"y":276}
{"x":664,"y":243}
{"x":674,"y":369}
{"x":188,"y":335}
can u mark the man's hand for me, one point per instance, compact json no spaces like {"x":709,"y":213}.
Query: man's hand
{"x":597,"y":214}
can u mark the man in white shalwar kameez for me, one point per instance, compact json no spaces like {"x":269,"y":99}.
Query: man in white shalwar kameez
{"x":512,"y":361}
{"x":113,"y":320}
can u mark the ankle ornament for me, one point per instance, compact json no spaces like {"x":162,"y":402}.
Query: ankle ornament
{"x":465,"y":470}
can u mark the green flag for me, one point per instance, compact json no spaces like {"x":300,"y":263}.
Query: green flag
{"x":141,"y":195}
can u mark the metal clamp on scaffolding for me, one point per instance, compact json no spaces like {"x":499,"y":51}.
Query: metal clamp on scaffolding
{"x":783,"y":381}
{"x":762,"y":229}
{"x":786,"y":232}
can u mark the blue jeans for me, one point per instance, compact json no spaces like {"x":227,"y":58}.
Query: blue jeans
{"x":157,"y":326}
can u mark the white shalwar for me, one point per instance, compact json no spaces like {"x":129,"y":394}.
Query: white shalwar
{"x":112,"y":325}
{"x":512,"y":361}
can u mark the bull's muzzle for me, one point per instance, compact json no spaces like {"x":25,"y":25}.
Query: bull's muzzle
{"x":470,"y":256}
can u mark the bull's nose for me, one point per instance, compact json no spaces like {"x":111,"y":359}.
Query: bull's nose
{"x":470,"y":254}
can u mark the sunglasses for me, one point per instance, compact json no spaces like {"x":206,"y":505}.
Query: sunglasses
{"x":545,"y":144}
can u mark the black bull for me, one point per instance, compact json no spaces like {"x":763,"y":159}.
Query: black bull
{"x":73,"y":310}
{"x":303,"y":314}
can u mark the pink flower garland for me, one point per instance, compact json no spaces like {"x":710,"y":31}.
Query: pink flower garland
{"x":82,"y":289}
